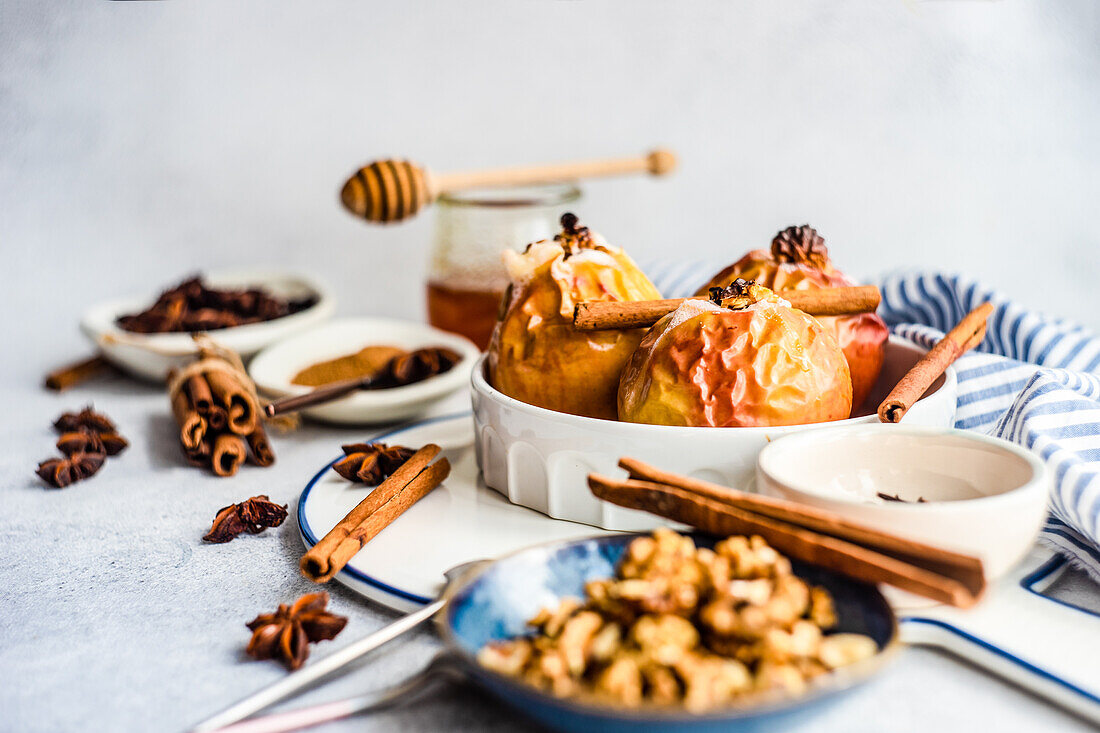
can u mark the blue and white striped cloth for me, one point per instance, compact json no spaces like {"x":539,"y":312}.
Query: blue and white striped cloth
{"x":1035,"y":380}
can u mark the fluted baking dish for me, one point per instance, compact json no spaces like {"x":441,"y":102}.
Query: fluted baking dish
{"x":539,"y":458}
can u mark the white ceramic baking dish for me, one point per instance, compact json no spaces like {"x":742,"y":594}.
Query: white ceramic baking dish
{"x":540,"y":459}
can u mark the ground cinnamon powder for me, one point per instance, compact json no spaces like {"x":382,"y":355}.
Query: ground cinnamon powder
{"x":362,"y":363}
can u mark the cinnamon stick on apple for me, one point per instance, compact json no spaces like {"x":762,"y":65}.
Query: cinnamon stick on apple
{"x":608,"y":315}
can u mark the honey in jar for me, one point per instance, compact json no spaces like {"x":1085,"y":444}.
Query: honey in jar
{"x":466,"y":276}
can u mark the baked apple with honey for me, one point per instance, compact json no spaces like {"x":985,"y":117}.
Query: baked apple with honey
{"x":536,"y":355}
{"x":798,"y":260}
{"x":745,"y":358}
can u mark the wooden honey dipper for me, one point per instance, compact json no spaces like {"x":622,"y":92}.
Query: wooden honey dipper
{"x":392,"y":190}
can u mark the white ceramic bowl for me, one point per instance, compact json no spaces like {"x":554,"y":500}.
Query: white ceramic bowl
{"x":984,"y":496}
{"x":275,"y":366}
{"x":539,"y":458}
{"x":151,"y":356}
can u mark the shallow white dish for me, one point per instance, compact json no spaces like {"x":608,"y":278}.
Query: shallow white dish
{"x":539,"y":458}
{"x":151,"y":356}
{"x":275,"y":366}
{"x":983,"y":496}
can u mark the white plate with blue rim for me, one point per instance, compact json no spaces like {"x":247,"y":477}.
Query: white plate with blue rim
{"x":1015,"y":632}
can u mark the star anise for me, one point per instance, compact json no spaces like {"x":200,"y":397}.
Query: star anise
{"x":286,"y":634}
{"x":801,"y":245}
{"x":371,"y":463}
{"x":252,"y":515}
{"x":192,"y":306}
{"x":86,"y":418}
{"x":85,"y":440}
{"x":420,"y":364}
{"x":61,"y":472}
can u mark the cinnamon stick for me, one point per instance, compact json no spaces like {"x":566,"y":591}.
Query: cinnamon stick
{"x":261,"y":451}
{"x":215,"y":405}
{"x":192,"y":424}
{"x":217,"y":418}
{"x":318,"y":564}
{"x":965,"y":336}
{"x":796,"y":542}
{"x":242,"y":412}
{"x":199,"y":456}
{"x":414,"y":491}
{"x":607,"y":315}
{"x":228,"y":455}
{"x":964,"y":568}
{"x":73,"y":374}
{"x":199,"y":391}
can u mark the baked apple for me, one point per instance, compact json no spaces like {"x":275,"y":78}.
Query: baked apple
{"x":536,"y":355}
{"x":798,"y":260}
{"x":743,"y":359}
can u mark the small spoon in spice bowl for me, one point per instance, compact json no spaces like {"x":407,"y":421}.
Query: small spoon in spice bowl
{"x":403,"y":368}
{"x":359,"y":371}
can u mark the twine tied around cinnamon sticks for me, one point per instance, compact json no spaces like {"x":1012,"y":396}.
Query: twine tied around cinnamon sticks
{"x":218,"y":412}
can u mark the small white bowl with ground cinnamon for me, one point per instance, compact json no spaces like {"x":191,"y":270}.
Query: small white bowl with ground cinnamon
{"x":350,"y":348}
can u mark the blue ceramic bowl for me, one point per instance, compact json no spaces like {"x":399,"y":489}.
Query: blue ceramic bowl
{"x":495,"y":603}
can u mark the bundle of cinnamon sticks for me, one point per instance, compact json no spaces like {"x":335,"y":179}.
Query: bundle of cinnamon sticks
{"x":218,"y":413}
{"x":408,"y":484}
{"x":799,"y":531}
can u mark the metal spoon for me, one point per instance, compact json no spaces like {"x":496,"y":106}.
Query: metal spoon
{"x":440,"y":668}
{"x":307,"y":676}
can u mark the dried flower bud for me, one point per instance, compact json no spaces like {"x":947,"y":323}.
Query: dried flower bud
{"x":62,"y":472}
{"x":801,"y":245}
{"x":371,"y":463}
{"x":86,"y":418}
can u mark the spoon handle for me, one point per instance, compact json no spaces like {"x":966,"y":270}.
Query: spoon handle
{"x":326,"y":712}
{"x":317,"y":396}
{"x":306,"y":676}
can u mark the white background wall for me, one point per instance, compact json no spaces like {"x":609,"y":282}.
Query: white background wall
{"x":140,"y":141}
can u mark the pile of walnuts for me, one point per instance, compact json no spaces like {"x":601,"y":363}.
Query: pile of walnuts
{"x":684,"y":626}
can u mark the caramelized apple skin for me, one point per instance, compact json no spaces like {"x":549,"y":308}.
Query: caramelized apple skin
{"x":536,"y":355}
{"x":766,"y":365}
{"x":862,"y":336}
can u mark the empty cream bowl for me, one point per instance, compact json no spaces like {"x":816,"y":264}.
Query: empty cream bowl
{"x":540,"y":458}
{"x":982,"y":496}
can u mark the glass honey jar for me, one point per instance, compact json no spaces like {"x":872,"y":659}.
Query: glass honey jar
{"x":466,"y":275}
